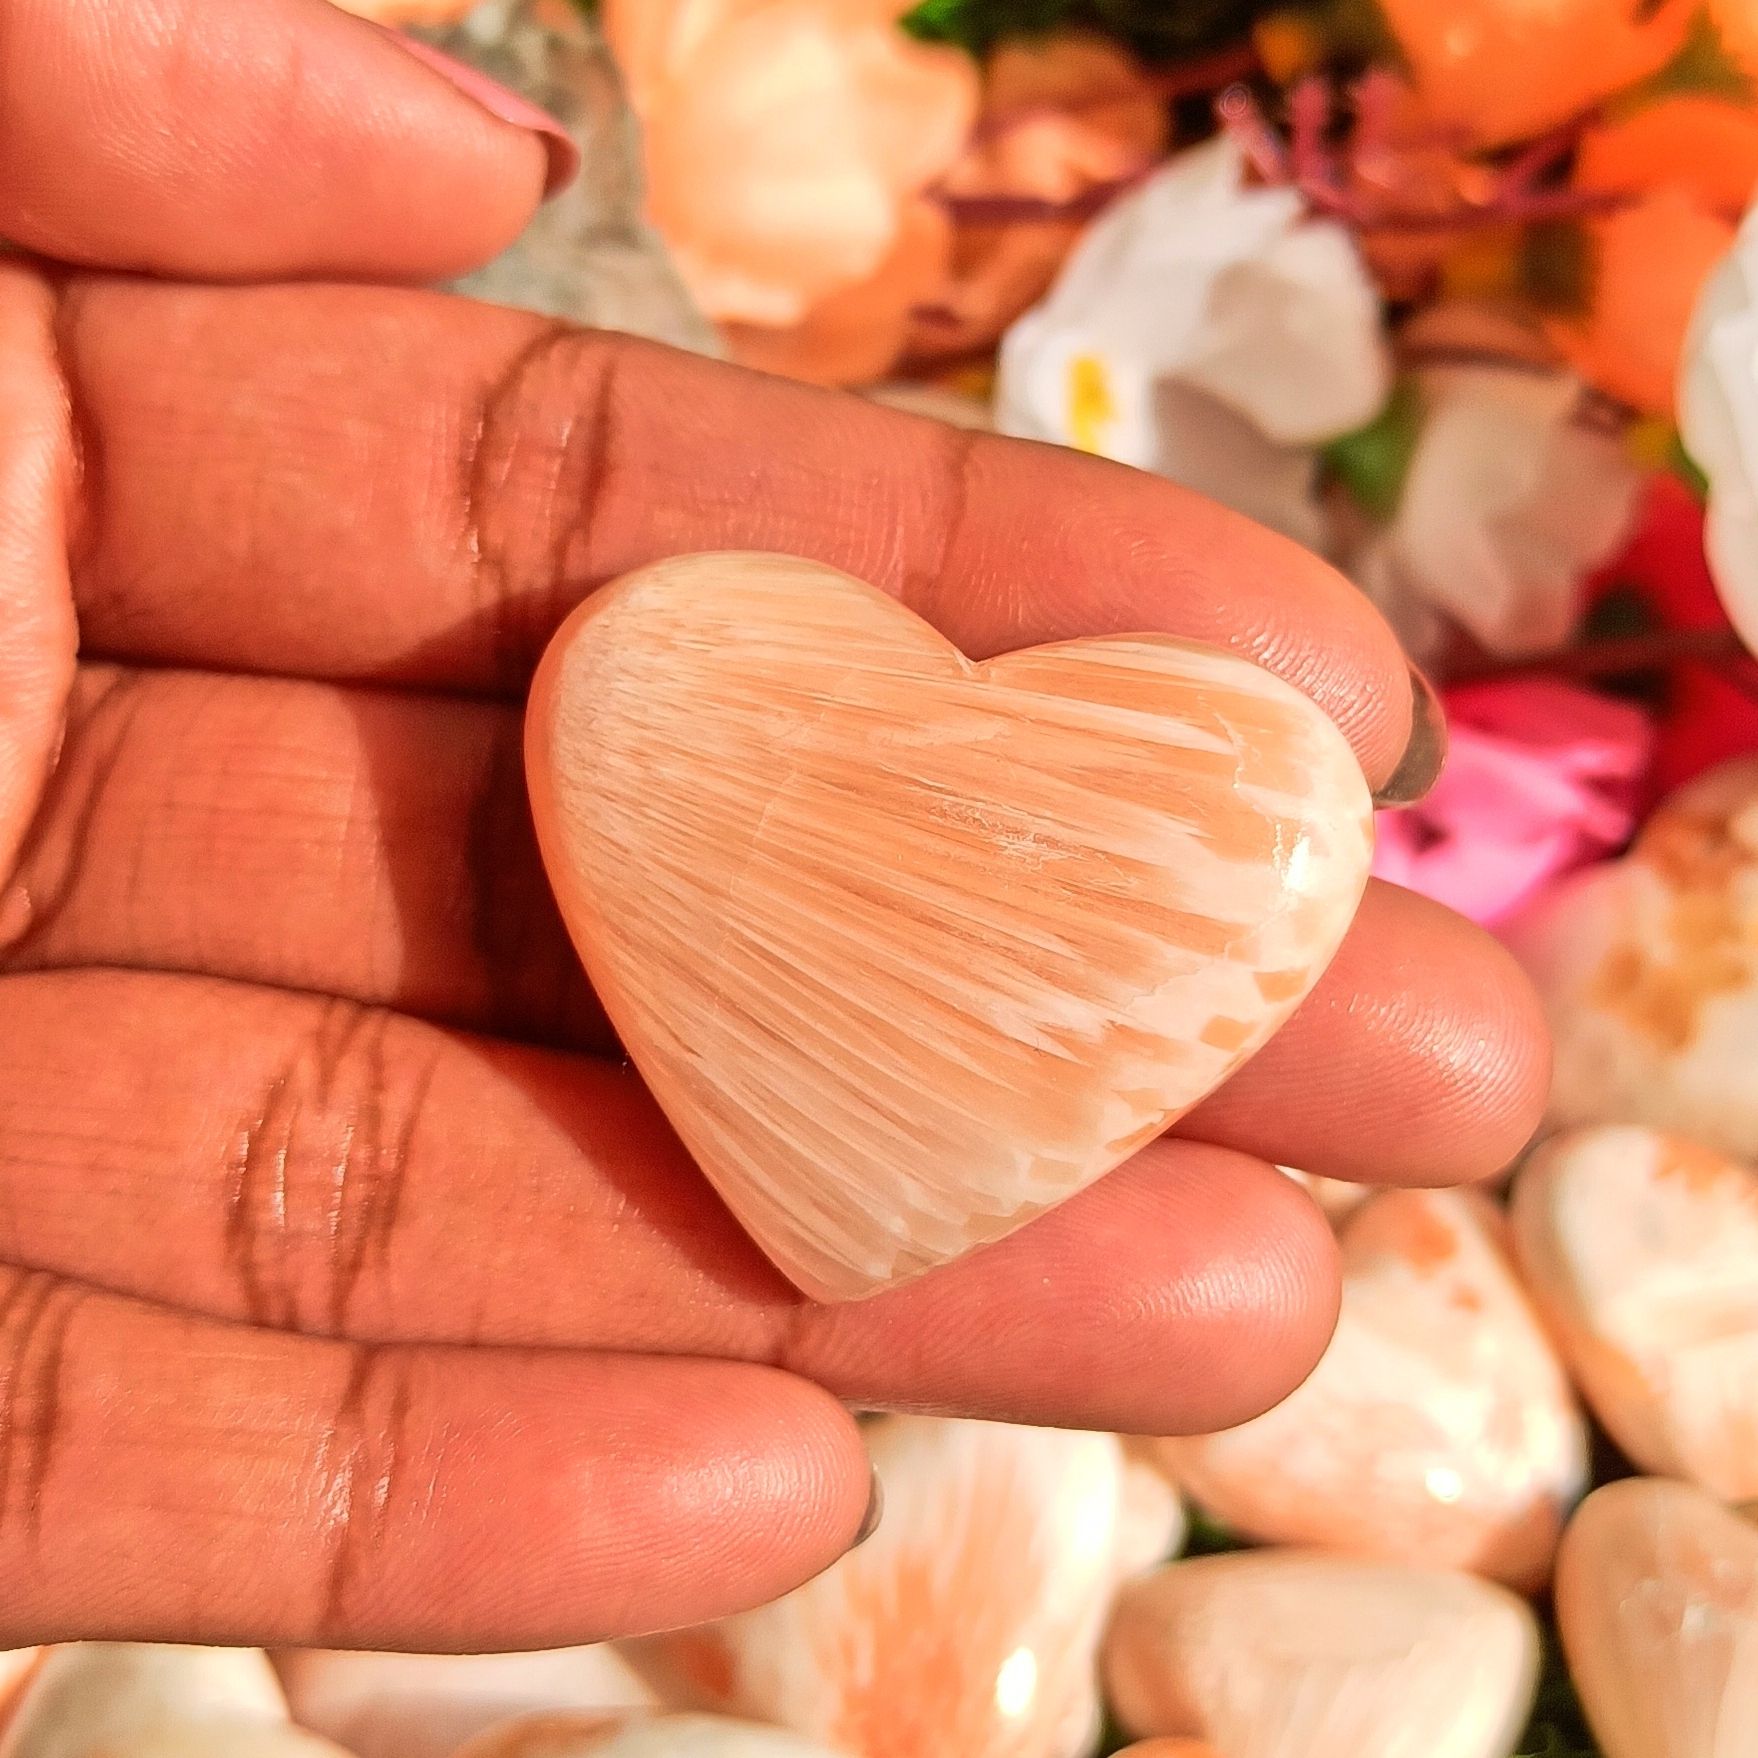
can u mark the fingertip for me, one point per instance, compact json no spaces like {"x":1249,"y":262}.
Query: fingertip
{"x":1276,"y":1293}
{"x":750,"y":1481}
{"x":1421,"y":1057}
{"x":1188,"y":1289}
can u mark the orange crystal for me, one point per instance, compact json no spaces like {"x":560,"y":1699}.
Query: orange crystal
{"x":911,"y":948}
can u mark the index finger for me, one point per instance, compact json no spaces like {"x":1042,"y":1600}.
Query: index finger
{"x":357,"y":483}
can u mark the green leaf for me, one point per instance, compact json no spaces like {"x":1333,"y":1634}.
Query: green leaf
{"x":1558,"y":1728}
{"x":1207,"y":1536}
{"x":977,"y":25}
{"x":1684,"y":466}
{"x":1150,"y":26}
{"x":1557,"y":267}
{"x":1373,"y":461}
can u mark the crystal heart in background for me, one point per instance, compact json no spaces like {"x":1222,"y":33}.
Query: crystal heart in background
{"x":1657,"y":1600}
{"x":1649,"y":972}
{"x":911,"y":948}
{"x":427,"y":1705}
{"x":107,"y":1700}
{"x":664,"y":1736}
{"x":1642,"y":1251}
{"x":1437,"y":1429}
{"x":1272,"y":1654}
{"x":969,"y":1623}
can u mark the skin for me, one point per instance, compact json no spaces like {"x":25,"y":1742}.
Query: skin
{"x":353,"y":1293}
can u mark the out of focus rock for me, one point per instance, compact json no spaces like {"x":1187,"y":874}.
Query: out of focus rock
{"x":1273,"y":1654}
{"x":1641,"y":1249}
{"x":426,"y":1705}
{"x":1437,"y":1429}
{"x":1649,"y":972}
{"x":1657,"y":1599}
{"x":969,"y":1623}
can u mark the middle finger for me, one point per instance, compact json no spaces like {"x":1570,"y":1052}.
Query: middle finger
{"x":377,"y":845}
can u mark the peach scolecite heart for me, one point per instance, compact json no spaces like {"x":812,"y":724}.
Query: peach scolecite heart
{"x":911,"y":948}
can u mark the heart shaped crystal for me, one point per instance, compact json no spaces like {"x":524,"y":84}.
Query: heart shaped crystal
{"x":909,"y":947}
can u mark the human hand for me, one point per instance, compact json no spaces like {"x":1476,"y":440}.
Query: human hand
{"x":358,"y":1294}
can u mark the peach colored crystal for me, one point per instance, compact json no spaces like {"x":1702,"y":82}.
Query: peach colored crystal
{"x":427,"y":1705}
{"x":664,"y":1736}
{"x":910,"y":948}
{"x":1293,"y":1654}
{"x":1657,"y":1599}
{"x":1438,"y":1428}
{"x":1642,"y":1251}
{"x":1649,"y":972}
{"x":107,"y":1700}
{"x":968,"y":1624}
{"x":1169,"y":1749}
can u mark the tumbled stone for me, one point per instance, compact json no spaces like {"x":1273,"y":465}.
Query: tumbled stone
{"x":969,"y":1623}
{"x":1657,"y":1600}
{"x":1269,"y":1654}
{"x":1642,"y":1251}
{"x":1438,"y":1427}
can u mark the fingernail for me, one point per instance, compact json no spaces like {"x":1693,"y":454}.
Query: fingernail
{"x":508,"y":106}
{"x":1425,"y":755}
{"x":875,"y":1513}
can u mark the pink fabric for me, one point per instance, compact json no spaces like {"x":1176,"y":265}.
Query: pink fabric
{"x":1542,"y":777}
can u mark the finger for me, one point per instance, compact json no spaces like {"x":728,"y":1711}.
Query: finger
{"x":371,"y":844}
{"x":173,"y":1479}
{"x":37,"y":634}
{"x":432,"y":486}
{"x":378,"y":845}
{"x":312,"y":1166}
{"x":1421,"y":1057}
{"x":234,"y":139}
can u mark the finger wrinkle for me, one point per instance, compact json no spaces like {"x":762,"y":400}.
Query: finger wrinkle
{"x":363,"y":1476}
{"x":538,"y":460}
{"x":46,"y":876}
{"x":36,"y":1312}
{"x":952,"y":473}
{"x":316,"y":1176}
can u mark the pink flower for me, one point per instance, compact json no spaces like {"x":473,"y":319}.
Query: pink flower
{"x":788,"y":144}
{"x":1542,"y":777}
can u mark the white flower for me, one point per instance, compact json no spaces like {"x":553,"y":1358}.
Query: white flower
{"x":1511,"y":500}
{"x":1208,"y":331}
{"x":1718,"y":417}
